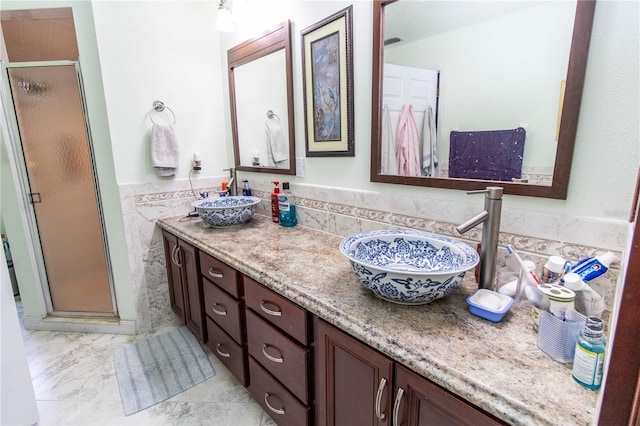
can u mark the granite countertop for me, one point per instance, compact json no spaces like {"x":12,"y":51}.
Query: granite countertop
{"x":495,"y":366}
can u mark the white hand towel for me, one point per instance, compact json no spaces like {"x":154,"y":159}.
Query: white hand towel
{"x":277,"y":144}
{"x":164,"y":149}
{"x":429,"y":143}
{"x":388,"y":160}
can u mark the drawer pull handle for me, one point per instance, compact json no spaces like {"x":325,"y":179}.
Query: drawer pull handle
{"x":216,"y":273}
{"x":269,"y":357}
{"x":379,"y":414}
{"x":222,"y":354}
{"x":396,"y":406}
{"x":218,"y":312}
{"x":175,"y":252}
{"x":269,"y":311}
{"x":275,"y":410}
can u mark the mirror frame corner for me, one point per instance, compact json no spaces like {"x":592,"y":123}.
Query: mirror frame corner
{"x":568,"y":125}
{"x":270,"y":41}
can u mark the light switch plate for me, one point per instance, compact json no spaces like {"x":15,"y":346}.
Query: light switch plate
{"x":300,"y":167}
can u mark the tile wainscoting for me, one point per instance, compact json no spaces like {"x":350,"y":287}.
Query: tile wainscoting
{"x":344,"y":212}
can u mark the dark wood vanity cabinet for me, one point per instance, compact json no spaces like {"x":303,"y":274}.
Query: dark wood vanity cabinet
{"x":224,"y":313}
{"x":278,"y":339}
{"x":355,"y":384}
{"x":185,"y":289}
{"x":299,"y":368}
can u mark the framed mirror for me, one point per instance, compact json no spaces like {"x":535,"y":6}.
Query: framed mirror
{"x":445,"y":115}
{"x":261,"y":95}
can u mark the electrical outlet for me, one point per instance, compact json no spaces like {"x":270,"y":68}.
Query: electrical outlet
{"x":300,"y":167}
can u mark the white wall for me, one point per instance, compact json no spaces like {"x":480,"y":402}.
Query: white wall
{"x":17,"y":397}
{"x":169,"y":51}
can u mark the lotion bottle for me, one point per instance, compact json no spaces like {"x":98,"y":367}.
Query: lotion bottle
{"x":246,"y":191}
{"x":275,"y":210}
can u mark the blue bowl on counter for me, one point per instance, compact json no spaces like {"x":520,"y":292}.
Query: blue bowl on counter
{"x":218,"y":212}
{"x":489,"y":304}
{"x":406,"y":266}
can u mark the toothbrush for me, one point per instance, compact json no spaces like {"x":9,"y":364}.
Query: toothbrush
{"x":513,"y":251}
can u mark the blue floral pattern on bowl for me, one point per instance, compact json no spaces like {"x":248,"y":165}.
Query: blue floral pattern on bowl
{"x":219,"y":212}
{"x":406,"y":266}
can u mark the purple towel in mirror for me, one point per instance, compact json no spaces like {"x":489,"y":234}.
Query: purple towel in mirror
{"x":488,"y":155}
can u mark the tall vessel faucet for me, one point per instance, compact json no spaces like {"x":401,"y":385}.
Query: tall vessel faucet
{"x":490,"y":217}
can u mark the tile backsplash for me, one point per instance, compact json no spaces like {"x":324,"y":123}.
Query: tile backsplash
{"x":344,"y":212}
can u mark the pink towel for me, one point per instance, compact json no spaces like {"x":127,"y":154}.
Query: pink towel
{"x":408,"y":143}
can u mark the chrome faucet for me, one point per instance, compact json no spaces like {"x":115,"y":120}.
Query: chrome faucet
{"x":490,"y":216}
{"x":233,"y":184}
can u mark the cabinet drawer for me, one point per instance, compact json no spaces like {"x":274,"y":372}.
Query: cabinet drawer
{"x":232,"y":355}
{"x":280,"y":355}
{"x":221,"y":274}
{"x":224,"y":310}
{"x":283,"y":407}
{"x":283,"y":313}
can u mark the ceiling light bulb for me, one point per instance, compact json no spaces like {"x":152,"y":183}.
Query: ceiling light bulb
{"x":224,"y":22}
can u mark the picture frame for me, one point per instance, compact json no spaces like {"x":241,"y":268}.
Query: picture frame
{"x":327,"y":80}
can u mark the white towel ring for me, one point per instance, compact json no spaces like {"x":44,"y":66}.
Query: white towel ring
{"x":271,"y":115}
{"x":160,"y":107}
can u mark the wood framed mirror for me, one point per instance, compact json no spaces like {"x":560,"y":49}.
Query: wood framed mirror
{"x":261,"y":95}
{"x":563,"y":106}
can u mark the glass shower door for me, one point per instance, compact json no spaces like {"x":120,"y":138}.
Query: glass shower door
{"x":61,"y":181}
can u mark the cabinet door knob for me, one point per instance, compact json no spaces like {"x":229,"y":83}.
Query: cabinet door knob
{"x":269,"y":357}
{"x":216,"y":273}
{"x":222,"y":354}
{"x":275,"y":410}
{"x":217,"y":311}
{"x":396,"y":406}
{"x":269,"y":311}
{"x":379,"y":414}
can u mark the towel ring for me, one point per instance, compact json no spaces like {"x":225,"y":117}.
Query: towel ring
{"x":271,"y":115}
{"x":160,"y":107}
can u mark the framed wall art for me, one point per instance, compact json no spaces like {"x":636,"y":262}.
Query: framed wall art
{"x":327,"y":66}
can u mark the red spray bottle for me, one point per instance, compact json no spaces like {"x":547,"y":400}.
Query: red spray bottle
{"x":275,"y":210}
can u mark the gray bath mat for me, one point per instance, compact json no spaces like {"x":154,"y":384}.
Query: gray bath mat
{"x":155,"y":369}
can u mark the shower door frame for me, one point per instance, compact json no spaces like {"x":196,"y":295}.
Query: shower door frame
{"x":16,"y":155}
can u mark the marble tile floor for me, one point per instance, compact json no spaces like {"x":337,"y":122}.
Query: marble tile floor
{"x":75,"y":384}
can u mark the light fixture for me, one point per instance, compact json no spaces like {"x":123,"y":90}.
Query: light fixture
{"x":224,"y":22}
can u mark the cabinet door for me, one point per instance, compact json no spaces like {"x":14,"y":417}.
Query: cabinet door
{"x":193,"y":289}
{"x":174,"y":274}
{"x":420,"y":402}
{"x":353,"y":381}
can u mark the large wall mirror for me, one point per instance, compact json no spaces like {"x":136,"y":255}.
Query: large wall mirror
{"x":468,"y":94}
{"x":261,"y":94}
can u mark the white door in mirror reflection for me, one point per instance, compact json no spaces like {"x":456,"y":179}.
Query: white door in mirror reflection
{"x":403,"y":87}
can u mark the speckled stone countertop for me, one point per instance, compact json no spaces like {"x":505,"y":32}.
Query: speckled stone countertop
{"x":495,"y":366}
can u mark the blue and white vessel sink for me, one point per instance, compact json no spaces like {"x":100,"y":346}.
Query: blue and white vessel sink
{"x":407,"y":266}
{"x":219,"y":212}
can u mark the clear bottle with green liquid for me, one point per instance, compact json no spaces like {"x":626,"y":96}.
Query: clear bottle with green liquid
{"x":588,"y":361}
{"x":287,"y":207}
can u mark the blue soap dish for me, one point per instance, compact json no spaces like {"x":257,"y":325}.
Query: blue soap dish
{"x":489,"y":304}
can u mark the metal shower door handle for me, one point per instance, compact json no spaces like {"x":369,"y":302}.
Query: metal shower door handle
{"x":35,"y":197}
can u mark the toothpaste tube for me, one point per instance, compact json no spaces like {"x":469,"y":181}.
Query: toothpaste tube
{"x":593,"y":267}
